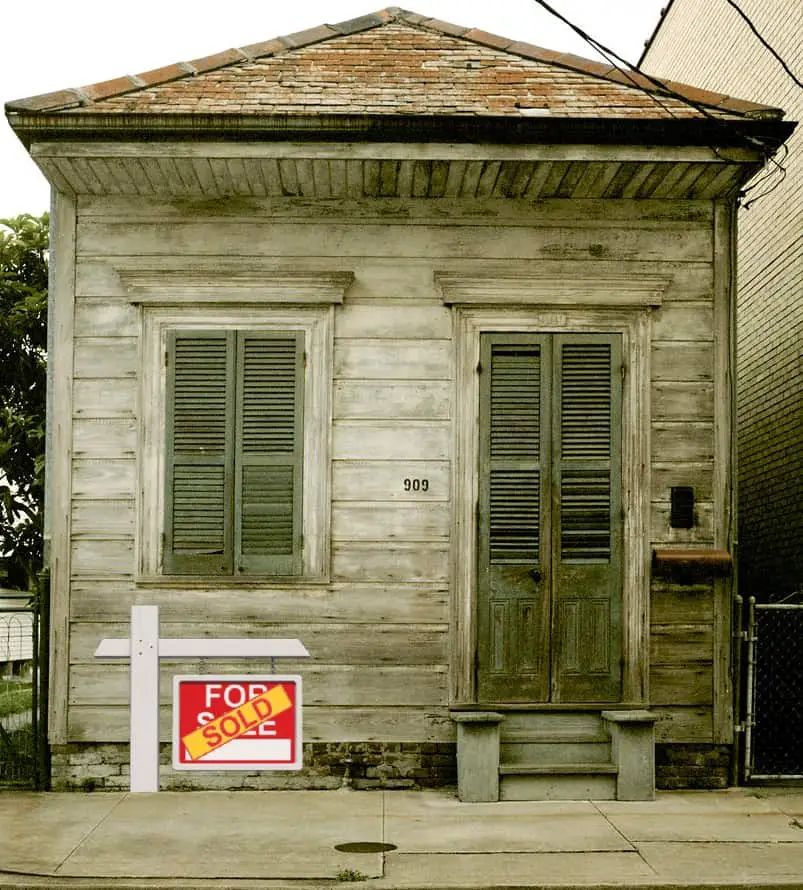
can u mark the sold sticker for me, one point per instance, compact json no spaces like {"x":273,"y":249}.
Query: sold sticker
{"x":225,"y":722}
{"x":237,"y":722}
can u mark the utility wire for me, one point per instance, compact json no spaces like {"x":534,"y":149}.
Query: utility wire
{"x":786,"y":68}
{"x":751,"y":188}
{"x":667,"y":91}
{"x":657,"y":84}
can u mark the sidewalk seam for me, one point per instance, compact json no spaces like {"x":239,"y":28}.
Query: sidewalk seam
{"x":625,"y":838}
{"x":88,"y":835}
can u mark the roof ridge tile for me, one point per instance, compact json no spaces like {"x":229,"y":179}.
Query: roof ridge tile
{"x":363,"y":22}
{"x":310,"y":35}
{"x":443,"y":27}
{"x":218,"y":60}
{"x":485,"y":38}
{"x":265,"y":48}
{"x":117,"y":86}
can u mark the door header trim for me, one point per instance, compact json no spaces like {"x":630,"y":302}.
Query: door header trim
{"x":587,"y":292}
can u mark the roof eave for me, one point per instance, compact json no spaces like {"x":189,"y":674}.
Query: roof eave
{"x":90,"y":126}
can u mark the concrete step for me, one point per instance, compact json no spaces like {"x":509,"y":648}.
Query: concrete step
{"x":550,"y":748}
{"x":577,"y":782}
{"x":562,"y":723}
{"x":557,"y":769}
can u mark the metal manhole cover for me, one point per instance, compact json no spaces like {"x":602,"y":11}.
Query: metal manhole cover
{"x":365,"y":847}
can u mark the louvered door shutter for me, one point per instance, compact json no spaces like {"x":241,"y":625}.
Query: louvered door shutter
{"x":199,"y":452}
{"x":587,"y":524}
{"x":514,"y":454}
{"x":269,"y":453}
{"x":586,"y":424}
{"x":513,"y":602}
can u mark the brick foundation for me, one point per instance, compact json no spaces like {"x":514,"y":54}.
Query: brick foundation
{"x":692,"y":766}
{"x":89,"y":767}
{"x":373,"y":765}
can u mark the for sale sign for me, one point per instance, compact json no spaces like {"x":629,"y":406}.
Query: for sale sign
{"x":243,"y":722}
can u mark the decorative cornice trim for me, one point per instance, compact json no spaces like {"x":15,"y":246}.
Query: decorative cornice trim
{"x":472,"y":290}
{"x":227,"y":285}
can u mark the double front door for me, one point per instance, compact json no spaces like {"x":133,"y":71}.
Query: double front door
{"x":549,"y":518}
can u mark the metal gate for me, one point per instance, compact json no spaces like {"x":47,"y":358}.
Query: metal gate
{"x":24,"y":755}
{"x":774,"y":704}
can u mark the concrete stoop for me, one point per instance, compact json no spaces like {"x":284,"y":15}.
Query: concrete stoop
{"x":555,"y":755}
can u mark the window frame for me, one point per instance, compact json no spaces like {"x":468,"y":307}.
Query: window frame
{"x":316,"y":323}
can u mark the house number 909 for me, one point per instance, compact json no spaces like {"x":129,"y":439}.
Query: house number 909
{"x":416,"y":484}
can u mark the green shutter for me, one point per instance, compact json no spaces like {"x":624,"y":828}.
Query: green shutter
{"x":586,"y":401}
{"x":587,"y":524}
{"x":199,"y":451}
{"x":513,"y":602}
{"x":270,"y":400}
{"x":514,"y":454}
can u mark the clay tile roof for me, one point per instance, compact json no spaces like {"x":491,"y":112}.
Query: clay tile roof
{"x":392,"y":62}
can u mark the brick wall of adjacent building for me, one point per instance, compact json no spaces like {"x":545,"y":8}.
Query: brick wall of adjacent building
{"x":706,"y":43}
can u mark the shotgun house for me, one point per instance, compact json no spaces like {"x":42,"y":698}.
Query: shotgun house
{"x":414,"y":343}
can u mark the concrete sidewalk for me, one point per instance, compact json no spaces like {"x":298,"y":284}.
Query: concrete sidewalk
{"x":247,"y":839}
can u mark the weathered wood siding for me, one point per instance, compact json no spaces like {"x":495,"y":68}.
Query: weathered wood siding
{"x":378,"y":630}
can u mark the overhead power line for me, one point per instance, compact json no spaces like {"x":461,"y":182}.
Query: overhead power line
{"x":659,"y":85}
{"x":786,"y":68}
{"x":665,"y":90}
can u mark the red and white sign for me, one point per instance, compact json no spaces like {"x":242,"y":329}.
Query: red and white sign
{"x":237,"y":722}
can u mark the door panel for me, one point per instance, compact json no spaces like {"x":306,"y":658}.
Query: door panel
{"x":513,"y":622}
{"x":549,"y":559}
{"x":586,"y":552}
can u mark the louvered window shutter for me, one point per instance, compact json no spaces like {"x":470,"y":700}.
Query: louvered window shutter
{"x":589,"y":405}
{"x":269,"y":453}
{"x":199,"y":451}
{"x":512,"y":450}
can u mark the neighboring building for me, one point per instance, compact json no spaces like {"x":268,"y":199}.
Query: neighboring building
{"x":412,"y":342}
{"x":710,"y":44}
{"x":16,"y":633}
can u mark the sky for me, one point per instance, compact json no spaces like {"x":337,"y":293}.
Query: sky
{"x":54,"y":44}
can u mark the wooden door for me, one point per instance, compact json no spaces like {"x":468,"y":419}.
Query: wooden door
{"x":549,"y":519}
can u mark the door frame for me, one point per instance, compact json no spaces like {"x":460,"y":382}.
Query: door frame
{"x":479,"y":307}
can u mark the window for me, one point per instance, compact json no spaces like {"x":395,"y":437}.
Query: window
{"x":234,"y":453}
{"x":234,"y":437}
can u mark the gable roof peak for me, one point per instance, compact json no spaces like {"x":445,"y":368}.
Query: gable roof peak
{"x":84,"y":98}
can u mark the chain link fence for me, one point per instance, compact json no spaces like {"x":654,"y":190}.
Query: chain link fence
{"x":774,"y":712}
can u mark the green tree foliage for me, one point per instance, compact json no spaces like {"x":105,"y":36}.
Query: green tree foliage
{"x":23,"y":343}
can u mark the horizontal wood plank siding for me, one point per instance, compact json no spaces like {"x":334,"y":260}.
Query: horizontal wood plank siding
{"x":684,"y":243}
{"x":337,"y":685}
{"x":350,"y":603}
{"x":389,"y":400}
{"x":89,"y":723}
{"x":378,"y":628}
{"x":104,"y":478}
{"x":386,"y":480}
{"x":588,"y":212}
{"x":328,"y":643}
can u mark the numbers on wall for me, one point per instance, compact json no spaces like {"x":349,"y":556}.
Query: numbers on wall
{"x":416,"y":484}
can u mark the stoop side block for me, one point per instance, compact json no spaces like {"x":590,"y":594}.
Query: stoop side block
{"x":633,"y":749}
{"x":478,"y":755}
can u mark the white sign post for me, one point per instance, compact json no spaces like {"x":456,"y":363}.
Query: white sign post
{"x":143,"y":649}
